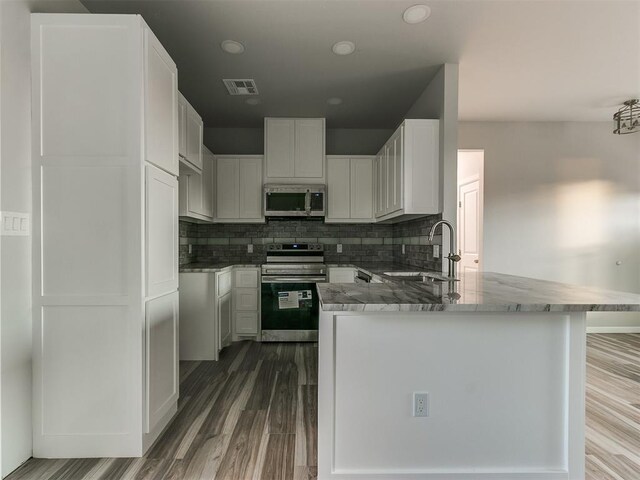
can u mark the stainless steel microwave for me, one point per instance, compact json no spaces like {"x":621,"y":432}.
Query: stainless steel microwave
{"x":294,"y":200}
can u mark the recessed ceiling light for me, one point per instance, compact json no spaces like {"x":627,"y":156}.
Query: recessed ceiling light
{"x":344,"y":48}
{"x":253,"y":101}
{"x":416,"y":14}
{"x":233,"y":47}
{"x":334,"y":101}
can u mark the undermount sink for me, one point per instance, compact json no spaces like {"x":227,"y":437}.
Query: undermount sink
{"x":421,"y":276}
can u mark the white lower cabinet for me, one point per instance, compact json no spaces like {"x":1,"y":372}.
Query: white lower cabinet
{"x":350,"y":189}
{"x":198,"y":317}
{"x":246,"y":302}
{"x":161,"y":358}
{"x":342,"y":275}
{"x":239,"y":189}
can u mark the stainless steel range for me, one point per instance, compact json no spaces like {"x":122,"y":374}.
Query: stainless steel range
{"x":289,"y":301}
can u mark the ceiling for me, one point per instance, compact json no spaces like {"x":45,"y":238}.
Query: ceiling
{"x":519,"y":59}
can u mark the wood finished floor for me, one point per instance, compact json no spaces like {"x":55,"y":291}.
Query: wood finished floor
{"x":253,"y":415}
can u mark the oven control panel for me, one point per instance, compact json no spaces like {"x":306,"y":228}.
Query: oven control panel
{"x":295,"y":247}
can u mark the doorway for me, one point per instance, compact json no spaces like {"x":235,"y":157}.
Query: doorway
{"x":470,"y":209}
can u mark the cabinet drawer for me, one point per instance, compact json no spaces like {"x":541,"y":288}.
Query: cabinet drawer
{"x":247,"y":278}
{"x":246,"y":299}
{"x":246,"y":323}
{"x":224,"y":283}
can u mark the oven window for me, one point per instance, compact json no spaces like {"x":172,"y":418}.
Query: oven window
{"x":317,"y":202}
{"x":285,"y":202}
{"x":289,"y":306}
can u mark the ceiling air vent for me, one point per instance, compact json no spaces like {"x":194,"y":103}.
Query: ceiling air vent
{"x":241,"y":86}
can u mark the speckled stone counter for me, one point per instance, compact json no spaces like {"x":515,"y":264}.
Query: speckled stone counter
{"x":213,"y":267}
{"x":475,"y":292}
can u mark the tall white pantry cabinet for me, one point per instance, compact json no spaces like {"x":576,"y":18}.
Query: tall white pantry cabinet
{"x":105,"y":235}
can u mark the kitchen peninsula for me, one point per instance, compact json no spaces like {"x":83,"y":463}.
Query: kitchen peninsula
{"x":479,"y":378}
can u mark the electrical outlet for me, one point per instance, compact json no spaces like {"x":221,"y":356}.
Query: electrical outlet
{"x":339,"y":248}
{"x":190,"y":249}
{"x":420,"y":404}
{"x":436,"y":251}
{"x":403,"y":249}
{"x":250,"y":248}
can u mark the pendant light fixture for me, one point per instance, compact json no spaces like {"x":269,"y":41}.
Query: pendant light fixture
{"x":627,"y":119}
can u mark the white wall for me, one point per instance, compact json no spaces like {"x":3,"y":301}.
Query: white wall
{"x":562,"y":202}
{"x":15,"y":252}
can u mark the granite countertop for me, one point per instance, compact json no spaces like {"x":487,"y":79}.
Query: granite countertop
{"x":208,"y":267}
{"x":475,"y":292}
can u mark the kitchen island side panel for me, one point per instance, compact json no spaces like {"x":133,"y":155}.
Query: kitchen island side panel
{"x":506,"y":395}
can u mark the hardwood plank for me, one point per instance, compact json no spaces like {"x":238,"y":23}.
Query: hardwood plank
{"x":240,"y":457}
{"x":307,"y":426}
{"x":278,"y":462}
{"x":283,"y":410}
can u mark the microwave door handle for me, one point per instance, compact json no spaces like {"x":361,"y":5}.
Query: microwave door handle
{"x":307,"y":202}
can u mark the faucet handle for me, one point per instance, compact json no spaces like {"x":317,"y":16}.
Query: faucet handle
{"x":454,"y":257}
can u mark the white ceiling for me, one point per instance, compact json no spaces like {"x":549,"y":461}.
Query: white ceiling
{"x":519,"y":60}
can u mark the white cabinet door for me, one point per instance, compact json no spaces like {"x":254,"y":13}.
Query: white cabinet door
{"x":224,"y":317}
{"x":395,"y":169}
{"x":207,"y":183}
{"x":382,"y":181}
{"x":338,"y":195}
{"x":246,"y":323}
{"x":227,"y":188}
{"x":361,"y":188}
{"x":182,"y":126}
{"x":161,"y":212}
{"x":250,"y":188}
{"x":279,"y":147}
{"x":194,"y":137}
{"x":161,"y":358}
{"x":309,"y":148}
{"x":161,"y":105}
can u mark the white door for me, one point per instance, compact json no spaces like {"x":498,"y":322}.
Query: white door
{"x":161,"y":231}
{"x":309,"y":148}
{"x":361,"y":183}
{"x":338,"y":198}
{"x":469,"y":222}
{"x":227,"y":188}
{"x":161,"y":358}
{"x":250,"y":188}
{"x":279,"y":147}
{"x":161,"y":106}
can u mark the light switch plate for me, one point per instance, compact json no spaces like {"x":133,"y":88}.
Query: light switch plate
{"x":250,"y":248}
{"x":339,"y":248}
{"x":15,"y":224}
{"x":436,"y":251}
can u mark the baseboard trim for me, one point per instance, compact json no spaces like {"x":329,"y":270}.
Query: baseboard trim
{"x":629,"y":329}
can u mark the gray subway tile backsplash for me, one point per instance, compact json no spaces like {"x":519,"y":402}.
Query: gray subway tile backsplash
{"x":360,"y":242}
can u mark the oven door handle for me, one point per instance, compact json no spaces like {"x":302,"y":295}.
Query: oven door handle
{"x":307,"y":202}
{"x":310,"y":279}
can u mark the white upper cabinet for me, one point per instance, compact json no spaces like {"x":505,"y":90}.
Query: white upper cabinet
{"x":161,"y":106}
{"x":294,"y":150}
{"x":239,"y":189}
{"x":279,"y":147}
{"x":407,"y":173}
{"x":350,"y":189}
{"x":309,"y":151}
{"x":197,"y":190}
{"x":190,"y":135}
